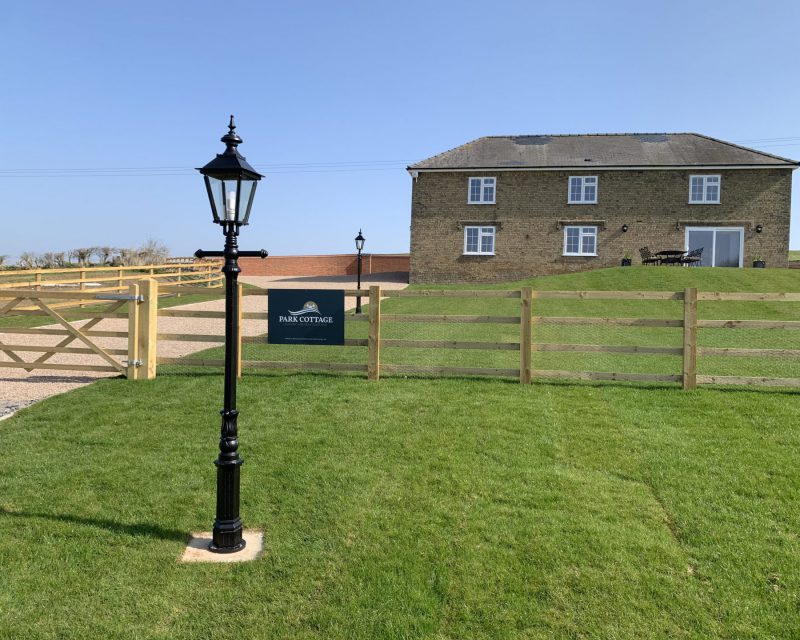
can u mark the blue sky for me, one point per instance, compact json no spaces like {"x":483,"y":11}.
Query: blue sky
{"x":333,"y":99}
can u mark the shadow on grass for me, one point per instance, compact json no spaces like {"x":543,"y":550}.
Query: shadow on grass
{"x":139,"y":529}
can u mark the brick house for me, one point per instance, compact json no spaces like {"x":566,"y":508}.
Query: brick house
{"x":509,"y":207}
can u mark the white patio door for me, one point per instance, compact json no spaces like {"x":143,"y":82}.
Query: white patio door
{"x":722,"y":246}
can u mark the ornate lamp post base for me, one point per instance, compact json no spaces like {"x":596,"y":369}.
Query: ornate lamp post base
{"x":199,"y":548}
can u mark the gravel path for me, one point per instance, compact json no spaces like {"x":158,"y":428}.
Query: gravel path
{"x":19,"y":388}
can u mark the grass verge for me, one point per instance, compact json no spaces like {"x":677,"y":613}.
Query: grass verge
{"x":405,"y":509}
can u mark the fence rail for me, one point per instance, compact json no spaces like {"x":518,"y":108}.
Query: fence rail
{"x":374,"y":339}
{"x":183,"y":278}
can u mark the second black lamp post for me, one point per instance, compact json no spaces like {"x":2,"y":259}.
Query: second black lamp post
{"x":359,"y":248}
{"x":231,"y":185}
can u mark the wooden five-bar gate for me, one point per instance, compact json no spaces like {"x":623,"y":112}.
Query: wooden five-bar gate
{"x":134,"y":312}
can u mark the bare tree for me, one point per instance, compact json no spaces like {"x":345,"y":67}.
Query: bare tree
{"x":82,"y":255}
{"x":104,"y":254}
{"x":27,"y":260}
{"x":153,"y":252}
{"x":128,"y":257}
{"x":48,"y":260}
{"x":2,"y":260}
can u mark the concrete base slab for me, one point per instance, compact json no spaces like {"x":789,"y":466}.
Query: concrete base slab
{"x":197,"y":549}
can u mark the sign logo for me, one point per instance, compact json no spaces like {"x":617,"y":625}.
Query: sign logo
{"x":308,"y":307}
{"x":305,"y":316}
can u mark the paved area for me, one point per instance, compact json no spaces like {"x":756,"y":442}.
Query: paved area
{"x":197,"y":549}
{"x":19,"y":388}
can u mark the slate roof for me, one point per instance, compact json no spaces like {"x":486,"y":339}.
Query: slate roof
{"x":600,"y":150}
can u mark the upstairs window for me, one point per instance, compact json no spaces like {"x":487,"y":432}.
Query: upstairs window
{"x":481,"y":191}
{"x":704,"y":189}
{"x":479,"y":241}
{"x":582,"y":190}
{"x":580,"y":241}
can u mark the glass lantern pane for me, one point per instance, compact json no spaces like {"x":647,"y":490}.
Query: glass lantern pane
{"x":245,"y":199}
{"x":229,"y":187}
{"x":216,"y":197}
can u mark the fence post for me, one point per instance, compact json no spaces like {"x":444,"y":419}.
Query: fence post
{"x":206,"y":273}
{"x":132,"y":372}
{"x":374,"y":339}
{"x":180,"y":279}
{"x":690,"y":338}
{"x":148,"y":329}
{"x":240,"y":296}
{"x":82,"y":285}
{"x":526,"y":295}
{"x":38,"y":279}
{"x":119,"y":279}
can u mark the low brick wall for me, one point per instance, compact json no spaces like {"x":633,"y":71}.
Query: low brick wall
{"x":329,"y":265}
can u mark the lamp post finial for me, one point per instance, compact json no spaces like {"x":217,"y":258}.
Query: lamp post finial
{"x":231,"y":139}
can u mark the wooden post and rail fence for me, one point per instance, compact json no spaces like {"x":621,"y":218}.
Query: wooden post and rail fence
{"x":142,"y":314}
{"x":109,"y":279}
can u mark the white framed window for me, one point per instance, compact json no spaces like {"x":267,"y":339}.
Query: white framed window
{"x":582,"y":190}
{"x":481,"y":190}
{"x":580,"y":241}
{"x":479,"y":241}
{"x":704,"y":189}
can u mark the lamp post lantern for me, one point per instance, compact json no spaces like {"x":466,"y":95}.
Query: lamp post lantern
{"x":231,"y":185}
{"x":359,"y":248}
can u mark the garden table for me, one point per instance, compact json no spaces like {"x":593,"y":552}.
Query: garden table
{"x":670,"y":256}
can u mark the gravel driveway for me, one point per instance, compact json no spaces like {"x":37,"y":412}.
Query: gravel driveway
{"x":18,"y":388}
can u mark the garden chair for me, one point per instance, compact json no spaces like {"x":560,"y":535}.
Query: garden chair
{"x":693,"y":258}
{"x":648,"y":257}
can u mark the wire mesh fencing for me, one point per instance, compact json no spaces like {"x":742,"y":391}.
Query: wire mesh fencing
{"x":749,"y":339}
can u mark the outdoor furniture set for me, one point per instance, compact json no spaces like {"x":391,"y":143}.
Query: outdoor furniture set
{"x":672,"y":256}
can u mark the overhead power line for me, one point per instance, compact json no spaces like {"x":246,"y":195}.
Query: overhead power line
{"x":350,"y":166}
{"x":290,"y":167}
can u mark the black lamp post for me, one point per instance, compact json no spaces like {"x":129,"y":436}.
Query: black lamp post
{"x":231,"y":184}
{"x":359,"y":248}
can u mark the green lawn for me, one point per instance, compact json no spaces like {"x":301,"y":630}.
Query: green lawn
{"x":631,"y":279}
{"x":406,"y":509}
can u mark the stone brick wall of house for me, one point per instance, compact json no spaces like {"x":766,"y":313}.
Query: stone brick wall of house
{"x":330,"y":265}
{"x":530,"y":205}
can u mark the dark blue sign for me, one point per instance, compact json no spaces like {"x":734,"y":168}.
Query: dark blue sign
{"x":305,"y":316}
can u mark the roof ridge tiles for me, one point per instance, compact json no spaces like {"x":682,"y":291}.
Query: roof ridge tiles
{"x":586,"y":135}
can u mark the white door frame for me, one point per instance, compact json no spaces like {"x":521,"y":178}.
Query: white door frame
{"x":714,"y":244}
